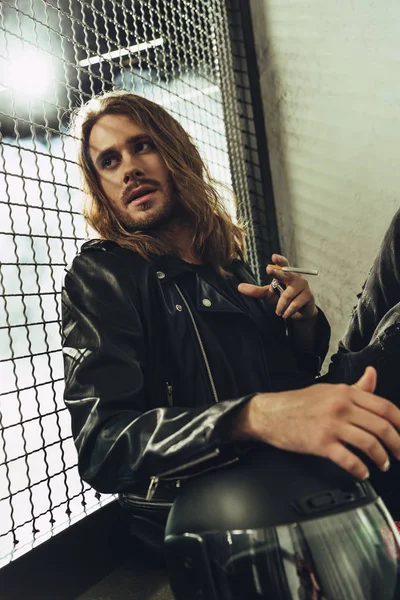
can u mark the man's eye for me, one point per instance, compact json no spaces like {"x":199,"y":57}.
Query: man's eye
{"x":107,"y":162}
{"x":143,"y":145}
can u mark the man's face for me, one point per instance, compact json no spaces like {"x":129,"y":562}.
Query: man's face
{"x":131,"y":172}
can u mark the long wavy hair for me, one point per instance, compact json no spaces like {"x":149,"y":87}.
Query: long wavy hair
{"x":216,"y":238}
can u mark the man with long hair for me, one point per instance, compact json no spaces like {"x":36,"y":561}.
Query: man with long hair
{"x":175,"y":360}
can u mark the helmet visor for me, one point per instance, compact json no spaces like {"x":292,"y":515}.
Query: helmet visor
{"x":348,"y":556}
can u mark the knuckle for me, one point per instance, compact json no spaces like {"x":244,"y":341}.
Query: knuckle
{"x":348,"y":461}
{"x":371,"y":445}
{"x":352,"y":464}
{"x":384,"y":430}
{"x":386,"y":408}
{"x":330,"y":453}
{"x":334,"y":453}
{"x":340,"y":403}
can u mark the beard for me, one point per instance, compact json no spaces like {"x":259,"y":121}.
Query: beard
{"x":148,"y":219}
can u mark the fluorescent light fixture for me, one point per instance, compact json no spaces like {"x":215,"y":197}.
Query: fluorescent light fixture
{"x":208,"y":91}
{"x":121,"y":52}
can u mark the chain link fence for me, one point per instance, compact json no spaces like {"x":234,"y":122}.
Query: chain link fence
{"x":54,"y":55}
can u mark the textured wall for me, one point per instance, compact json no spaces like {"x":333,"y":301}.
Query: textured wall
{"x":330,"y":79}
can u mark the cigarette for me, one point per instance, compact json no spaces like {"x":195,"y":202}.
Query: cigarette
{"x":296,"y":270}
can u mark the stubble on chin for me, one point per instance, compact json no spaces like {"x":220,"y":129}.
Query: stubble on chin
{"x":148,"y":220}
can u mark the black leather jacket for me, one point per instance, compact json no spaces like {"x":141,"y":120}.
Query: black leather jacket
{"x":373,"y":338}
{"x":140,"y":429}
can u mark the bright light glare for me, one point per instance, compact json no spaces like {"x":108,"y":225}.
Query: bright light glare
{"x":94,"y":60}
{"x":29,"y":72}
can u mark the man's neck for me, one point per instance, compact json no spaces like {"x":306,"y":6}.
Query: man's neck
{"x":180,"y":235}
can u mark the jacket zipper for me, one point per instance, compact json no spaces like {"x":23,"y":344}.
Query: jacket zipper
{"x":169,"y":394}
{"x":140,"y":502}
{"x":214,"y":390}
{"x":214,"y":467}
{"x":155,"y":480}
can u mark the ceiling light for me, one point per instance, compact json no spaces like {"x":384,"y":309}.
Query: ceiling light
{"x":28,"y":71}
{"x":93,"y":60}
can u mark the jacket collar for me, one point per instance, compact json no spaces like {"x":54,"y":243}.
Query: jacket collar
{"x":208,"y":297}
{"x":169,"y":267}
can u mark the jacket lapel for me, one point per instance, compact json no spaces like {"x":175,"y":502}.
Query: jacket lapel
{"x":245,"y":276}
{"x":210,"y":299}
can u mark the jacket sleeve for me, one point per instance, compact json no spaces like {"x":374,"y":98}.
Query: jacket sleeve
{"x":311,"y":362}
{"x":123,"y":435}
{"x":371,"y":337}
{"x":380,"y":293}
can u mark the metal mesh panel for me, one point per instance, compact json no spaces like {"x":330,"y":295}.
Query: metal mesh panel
{"x":54,"y":54}
{"x":257,"y":202}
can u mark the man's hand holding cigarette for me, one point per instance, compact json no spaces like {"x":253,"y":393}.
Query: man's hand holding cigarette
{"x":296,"y":300}
{"x":324,"y":419}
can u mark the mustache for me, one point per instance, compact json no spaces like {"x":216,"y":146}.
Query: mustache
{"x":131,"y":188}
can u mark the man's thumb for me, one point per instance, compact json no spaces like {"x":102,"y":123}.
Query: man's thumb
{"x":248,"y":289}
{"x":367,"y":382}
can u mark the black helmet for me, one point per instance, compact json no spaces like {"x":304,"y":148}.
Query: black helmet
{"x":281,"y":526}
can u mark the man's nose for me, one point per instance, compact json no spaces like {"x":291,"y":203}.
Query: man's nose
{"x":133,"y":169}
{"x":132,"y":174}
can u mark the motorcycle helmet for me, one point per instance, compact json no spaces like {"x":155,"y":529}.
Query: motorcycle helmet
{"x":281,"y":526}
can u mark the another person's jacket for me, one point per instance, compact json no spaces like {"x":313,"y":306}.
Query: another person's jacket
{"x":373,"y":338}
{"x":145,"y":410}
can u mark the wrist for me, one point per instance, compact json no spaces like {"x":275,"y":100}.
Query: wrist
{"x":238,"y":426}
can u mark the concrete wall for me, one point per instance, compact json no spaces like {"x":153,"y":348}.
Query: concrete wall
{"x":330,"y":80}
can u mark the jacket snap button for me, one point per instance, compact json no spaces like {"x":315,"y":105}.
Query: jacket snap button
{"x":160,"y":275}
{"x":206,"y":302}
{"x":178,"y":307}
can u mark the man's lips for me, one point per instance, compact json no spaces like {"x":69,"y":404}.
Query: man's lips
{"x":140,"y":194}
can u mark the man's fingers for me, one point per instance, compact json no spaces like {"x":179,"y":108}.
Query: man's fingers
{"x":280,"y":260}
{"x":295,"y":304}
{"x":251,"y":290}
{"x":285,"y":299}
{"x":282,"y":276}
{"x":376,"y":405}
{"x":377,"y":426}
{"x":343,"y":457}
{"x":256,"y":291}
{"x":367,"y":443}
{"x":367,"y":381}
